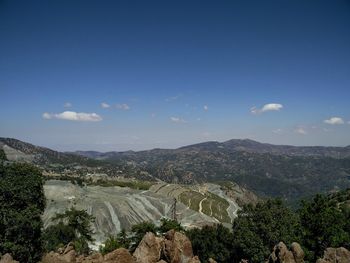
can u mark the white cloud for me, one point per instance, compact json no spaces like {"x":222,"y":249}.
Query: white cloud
{"x":72,"y":116}
{"x":123,"y":106}
{"x":177,"y":120}
{"x":266,"y":107}
{"x":334,"y":121}
{"x":205,"y":107}
{"x":47,"y":116}
{"x":67,"y":105}
{"x":277,"y":131}
{"x":105,"y":105}
{"x":300,"y":130}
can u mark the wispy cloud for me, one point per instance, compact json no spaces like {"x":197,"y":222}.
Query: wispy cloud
{"x":334,"y":121}
{"x":177,"y":120}
{"x":277,"y":131}
{"x":67,"y":105}
{"x":123,"y":106}
{"x":72,"y":116}
{"x":205,"y":107}
{"x":300,"y":130}
{"x":173,"y":98}
{"x":266,"y":107}
{"x":105,"y":105}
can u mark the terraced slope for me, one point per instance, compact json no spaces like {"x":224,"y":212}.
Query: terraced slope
{"x":208,"y":199}
{"x":115,"y":207}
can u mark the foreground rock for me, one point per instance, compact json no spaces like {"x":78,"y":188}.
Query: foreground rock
{"x":174,"y":247}
{"x":338,"y":255}
{"x":178,"y":248}
{"x":7,"y":258}
{"x":149,"y":250}
{"x":281,"y":254}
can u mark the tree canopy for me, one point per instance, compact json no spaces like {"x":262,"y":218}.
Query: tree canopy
{"x":22,"y":203}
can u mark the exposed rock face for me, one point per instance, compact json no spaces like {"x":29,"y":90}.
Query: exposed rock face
{"x":336,"y":255}
{"x":149,"y":250}
{"x":281,"y":254}
{"x":178,"y":248}
{"x":7,"y":258}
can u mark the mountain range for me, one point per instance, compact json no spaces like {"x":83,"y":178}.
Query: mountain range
{"x":289,"y":172}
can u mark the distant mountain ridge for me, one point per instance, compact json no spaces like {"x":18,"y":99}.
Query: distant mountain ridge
{"x":290,"y":172}
{"x":246,"y":145}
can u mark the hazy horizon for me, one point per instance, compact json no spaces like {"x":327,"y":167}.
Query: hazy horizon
{"x":112,"y":75}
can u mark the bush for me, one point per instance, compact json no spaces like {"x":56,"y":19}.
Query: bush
{"x":113,"y":243}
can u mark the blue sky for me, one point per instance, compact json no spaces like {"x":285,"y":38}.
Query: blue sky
{"x":173,"y":73}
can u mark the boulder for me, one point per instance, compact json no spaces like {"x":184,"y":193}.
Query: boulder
{"x":211,"y":260}
{"x":120,"y":255}
{"x":52,"y":257}
{"x":338,"y":255}
{"x":298,"y":252}
{"x":7,"y":258}
{"x":281,"y":253}
{"x":178,"y":248}
{"x":64,"y":255}
{"x":94,"y":258}
{"x":194,"y":260}
{"x":149,"y":250}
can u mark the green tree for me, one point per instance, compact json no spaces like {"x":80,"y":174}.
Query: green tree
{"x":73,"y":225}
{"x":22,"y":203}
{"x":168,"y":224}
{"x":258,"y":228}
{"x":324,"y":224}
{"x":56,"y":236}
{"x":112,"y":243}
{"x":212,"y":242}
{"x":2,"y":156}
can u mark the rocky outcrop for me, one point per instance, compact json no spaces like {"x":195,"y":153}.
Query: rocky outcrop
{"x":178,"y":248}
{"x":174,"y":247}
{"x":7,"y":258}
{"x":335,"y":255}
{"x":281,"y":254}
{"x":298,"y":252}
{"x":194,"y":260}
{"x":120,"y":255}
{"x":149,"y":250}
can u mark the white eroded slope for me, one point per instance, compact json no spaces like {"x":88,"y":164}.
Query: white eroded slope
{"x":114,"y":207}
